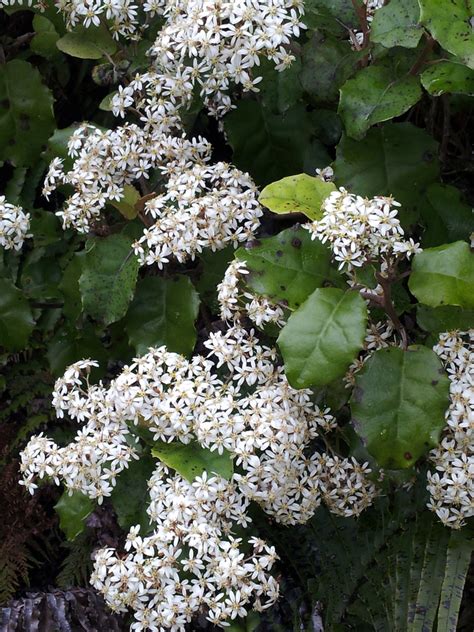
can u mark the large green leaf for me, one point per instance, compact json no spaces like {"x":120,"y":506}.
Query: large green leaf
{"x":447,"y":217}
{"x":130,"y":496}
{"x":323,"y":336}
{"x":26,"y":113}
{"x":44,"y":42}
{"x":288,"y":267}
{"x":333,"y":16}
{"x":191,"y":460}
{"x":327,"y":63}
{"x":271,"y":146}
{"x":88,"y":43}
{"x":297,"y":194}
{"x":72,"y":511}
{"x":16,"y":320}
{"x":397,"y":24}
{"x":396,"y":159}
{"x":375,"y":95}
{"x":444,"y":276}
{"x":445,"y":318}
{"x":211,"y":272}
{"x":163,"y":312}
{"x":108,"y":278}
{"x":450,"y":23}
{"x":398,"y":404}
{"x":279,"y":91}
{"x":71,"y":345}
{"x":448,"y":76}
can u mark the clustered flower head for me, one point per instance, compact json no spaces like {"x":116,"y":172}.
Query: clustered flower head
{"x":191,"y":562}
{"x":235,"y":402}
{"x":360,"y":230}
{"x":14,"y":225}
{"x":205,"y":206}
{"x":106,"y":161}
{"x":451,"y":485}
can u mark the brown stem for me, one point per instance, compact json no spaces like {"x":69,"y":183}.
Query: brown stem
{"x":414,"y":70}
{"x":389,"y":307}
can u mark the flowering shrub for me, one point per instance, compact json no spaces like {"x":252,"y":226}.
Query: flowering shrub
{"x":238,"y":253}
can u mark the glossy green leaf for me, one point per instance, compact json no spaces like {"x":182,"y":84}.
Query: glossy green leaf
{"x":450,"y":23}
{"x":327,"y":63}
{"x":297,"y":194}
{"x":191,"y":460}
{"x":163,"y":312}
{"x":396,"y":159}
{"x":288,"y":267}
{"x":108,"y":278}
{"x":398,"y":404}
{"x":211,"y":272}
{"x":72,"y":511}
{"x":373,"y":96}
{"x":71,"y":345}
{"x":397,"y":24}
{"x":446,"y":216}
{"x":130,"y":496}
{"x":26,"y":113}
{"x":448,"y":76}
{"x":69,"y":287}
{"x":270,"y":146}
{"x":44,"y":42}
{"x":322,"y":337}
{"x":333,"y":16}
{"x":444,"y":276}
{"x":445,"y":318}
{"x":45,"y":227}
{"x":279,"y":91}
{"x":87,"y":43}
{"x":16,"y":319}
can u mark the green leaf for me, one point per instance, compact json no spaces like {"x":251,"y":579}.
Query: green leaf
{"x":446,"y":318}
{"x":163,"y":312}
{"x":108,"y":278}
{"x":448,"y":76}
{"x":322,"y":337}
{"x":272,"y":146}
{"x":40,"y":276}
{"x":333,"y":16}
{"x":71,"y":346}
{"x":44,"y":42}
{"x":444,"y":276}
{"x":127,"y":203}
{"x":191,"y":460}
{"x":69,"y":287}
{"x":459,"y":553}
{"x":397,"y":24}
{"x":26,"y":113}
{"x":398,"y":404}
{"x":72,"y":512}
{"x":280,"y":91}
{"x":288,"y":267}
{"x":297,"y":194}
{"x":130,"y":496}
{"x":450,"y":24}
{"x":396,"y":159}
{"x":447,"y":217}
{"x":106,"y":103}
{"x":45,"y":227}
{"x":373,"y":96}
{"x":327,"y":63}
{"x":88,"y":43}
{"x":16,"y":320}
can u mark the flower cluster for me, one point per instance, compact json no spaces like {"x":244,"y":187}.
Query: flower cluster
{"x":91,"y":463}
{"x":361,"y":230}
{"x":221,"y":42}
{"x":14,"y":225}
{"x":451,"y":485}
{"x":235,"y":302}
{"x":191,"y":561}
{"x":106,"y":161}
{"x":205,"y":206}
